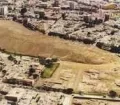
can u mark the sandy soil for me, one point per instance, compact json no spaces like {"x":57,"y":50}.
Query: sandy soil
{"x":17,"y":39}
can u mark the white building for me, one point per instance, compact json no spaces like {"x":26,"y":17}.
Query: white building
{"x":3,"y":10}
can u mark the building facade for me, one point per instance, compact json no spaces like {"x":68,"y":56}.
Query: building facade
{"x":3,"y":10}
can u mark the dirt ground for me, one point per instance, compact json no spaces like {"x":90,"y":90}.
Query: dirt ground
{"x":75,"y":75}
{"x":17,"y":39}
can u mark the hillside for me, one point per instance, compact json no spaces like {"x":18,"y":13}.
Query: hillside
{"x":17,"y":39}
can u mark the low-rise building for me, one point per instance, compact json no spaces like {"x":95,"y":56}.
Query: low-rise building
{"x":15,"y":94}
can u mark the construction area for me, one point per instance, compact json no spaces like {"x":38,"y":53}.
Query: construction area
{"x":84,"y":78}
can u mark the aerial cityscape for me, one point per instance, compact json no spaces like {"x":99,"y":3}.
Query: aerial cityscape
{"x":59,"y":52}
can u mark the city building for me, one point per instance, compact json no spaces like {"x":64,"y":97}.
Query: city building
{"x":3,"y":10}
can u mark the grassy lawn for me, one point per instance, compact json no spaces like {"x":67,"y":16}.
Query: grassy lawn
{"x":48,"y":72}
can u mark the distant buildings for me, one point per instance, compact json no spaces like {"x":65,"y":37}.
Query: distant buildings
{"x":61,"y":18}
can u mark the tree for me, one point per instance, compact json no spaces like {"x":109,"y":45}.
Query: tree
{"x":23,"y":11}
{"x":31,"y":70}
{"x":14,"y":18}
{"x":85,"y":19}
{"x":68,"y":91}
{"x":63,"y":16}
{"x":4,"y":72}
{"x":42,"y":60}
{"x":112,"y":94}
{"x":41,"y":15}
{"x":35,"y":76}
{"x":25,"y":22}
{"x":11,"y":58}
{"x":48,"y":63}
{"x":115,"y":26}
{"x":107,"y":17}
{"x":112,"y":32}
{"x":54,"y":59}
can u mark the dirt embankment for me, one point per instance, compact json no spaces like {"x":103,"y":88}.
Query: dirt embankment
{"x":17,"y":39}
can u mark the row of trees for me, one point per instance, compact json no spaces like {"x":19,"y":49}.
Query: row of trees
{"x":48,"y":62}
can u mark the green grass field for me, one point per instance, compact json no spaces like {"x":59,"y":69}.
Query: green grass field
{"x":48,"y":72}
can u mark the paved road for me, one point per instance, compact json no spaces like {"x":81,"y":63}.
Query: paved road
{"x":95,"y":97}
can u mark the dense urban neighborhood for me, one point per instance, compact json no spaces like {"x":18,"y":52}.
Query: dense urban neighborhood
{"x":88,"y":21}
{"x":27,"y":79}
